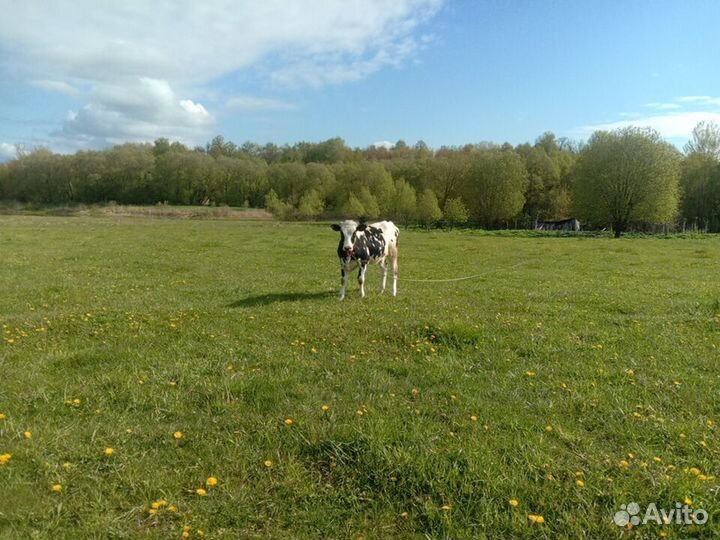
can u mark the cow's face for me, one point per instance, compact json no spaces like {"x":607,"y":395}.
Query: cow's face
{"x":348,"y":235}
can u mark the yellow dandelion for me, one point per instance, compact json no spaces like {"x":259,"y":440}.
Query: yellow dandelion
{"x":201,"y":492}
{"x":548,"y":428}
{"x":404,"y":514}
{"x":535,"y":518}
{"x":56,"y":488}
{"x":694,"y":471}
{"x":414,"y":391}
{"x":109,"y":451}
{"x":172,"y":508}
{"x":5,"y":459}
{"x":688,"y":500}
{"x":160,"y":503}
{"x":2,"y":416}
{"x":185,"y":534}
{"x":76,"y":401}
{"x":474,"y":418}
{"x":268,"y":463}
{"x":580,"y":483}
{"x":211,"y":481}
{"x":325,"y":408}
{"x":623,"y":464}
{"x":152,"y":511}
{"x":446,"y":508}
{"x":514,"y":502}
{"x":27,"y":434}
{"x":289,"y":421}
{"x":178,"y":435}
{"x":359,"y":412}
{"x":530,"y":373}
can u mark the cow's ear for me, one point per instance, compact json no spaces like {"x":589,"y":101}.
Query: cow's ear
{"x":361,"y":227}
{"x":335,"y":227}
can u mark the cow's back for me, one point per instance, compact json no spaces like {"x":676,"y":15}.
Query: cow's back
{"x":390,"y":233}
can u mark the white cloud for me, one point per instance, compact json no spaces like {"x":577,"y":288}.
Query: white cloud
{"x":7,"y":151}
{"x":98,"y":51}
{"x":683,"y":114}
{"x":251,"y":103}
{"x":143,"y":110}
{"x":383,"y":144}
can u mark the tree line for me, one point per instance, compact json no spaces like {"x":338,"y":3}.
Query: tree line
{"x":623,"y":179}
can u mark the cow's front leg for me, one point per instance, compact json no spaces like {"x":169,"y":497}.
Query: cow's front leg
{"x":343,"y":281}
{"x":383,"y":275}
{"x":361,"y":278}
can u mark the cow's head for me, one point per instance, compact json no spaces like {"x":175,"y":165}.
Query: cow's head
{"x":348,"y":235}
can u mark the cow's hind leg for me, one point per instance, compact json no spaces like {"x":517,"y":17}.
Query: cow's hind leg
{"x":383,"y":275}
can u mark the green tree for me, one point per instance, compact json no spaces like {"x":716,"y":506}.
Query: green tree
{"x":428,"y":210}
{"x":403,"y":207}
{"x":310,"y":205}
{"x":455,"y":211}
{"x":625,"y":177}
{"x":496,"y":185}
{"x":705,"y":140}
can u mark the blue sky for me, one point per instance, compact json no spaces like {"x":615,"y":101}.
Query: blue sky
{"x":87,"y":74}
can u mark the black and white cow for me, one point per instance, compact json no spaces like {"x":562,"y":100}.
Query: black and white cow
{"x":362,"y":244}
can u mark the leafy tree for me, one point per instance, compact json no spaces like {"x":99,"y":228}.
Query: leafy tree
{"x":705,"y":140}
{"x":626,"y":177}
{"x":428,"y":210}
{"x":495,"y":188}
{"x":310,"y":205}
{"x":455,"y":211}
{"x":700,"y":187}
{"x":403,"y":206}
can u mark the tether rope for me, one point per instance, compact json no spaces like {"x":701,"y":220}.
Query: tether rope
{"x":464,"y":278}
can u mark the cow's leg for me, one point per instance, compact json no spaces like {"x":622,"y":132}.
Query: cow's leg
{"x":361,"y":278}
{"x":383,"y":275}
{"x":395,"y":272}
{"x":343,"y":281}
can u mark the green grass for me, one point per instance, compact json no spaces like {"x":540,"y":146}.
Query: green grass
{"x":567,"y":358}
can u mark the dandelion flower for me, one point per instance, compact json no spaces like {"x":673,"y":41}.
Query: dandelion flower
{"x":446,"y":508}
{"x":5,"y":459}
{"x":325,"y":408}
{"x":76,"y":401}
{"x":27,"y":434}
{"x":580,"y":483}
{"x":404,"y":515}
{"x":172,"y":508}
{"x":178,"y":435}
{"x":289,"y":421}
{"x":201,"y":492}
{"x":212,"y":481}
{"x":56,"y":488}
{"x":268,"y":463}
{"x":623,"y":464}
{"x":694,"y":471}
{"x":474,"y":418}
{"x":514,"y":502}
{"x":109,"y":451}
{"x":688,"y":500}
{"x":534,"y":518}
{"x":530,"y":373}
{"x":548,"y":428}
{"x":2,"y":416}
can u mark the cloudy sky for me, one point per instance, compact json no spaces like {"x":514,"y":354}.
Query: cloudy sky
{"x":86,"y":74}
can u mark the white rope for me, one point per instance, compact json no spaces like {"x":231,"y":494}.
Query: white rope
{"x":461,"y":278}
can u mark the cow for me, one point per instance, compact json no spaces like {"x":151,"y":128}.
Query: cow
{"x":362,"y":244}
{"x":562,"y":225}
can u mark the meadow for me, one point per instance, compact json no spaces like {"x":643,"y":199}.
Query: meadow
{"x":169,"y":378}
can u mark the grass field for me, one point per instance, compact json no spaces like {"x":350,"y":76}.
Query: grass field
{"x":575,"y":375}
